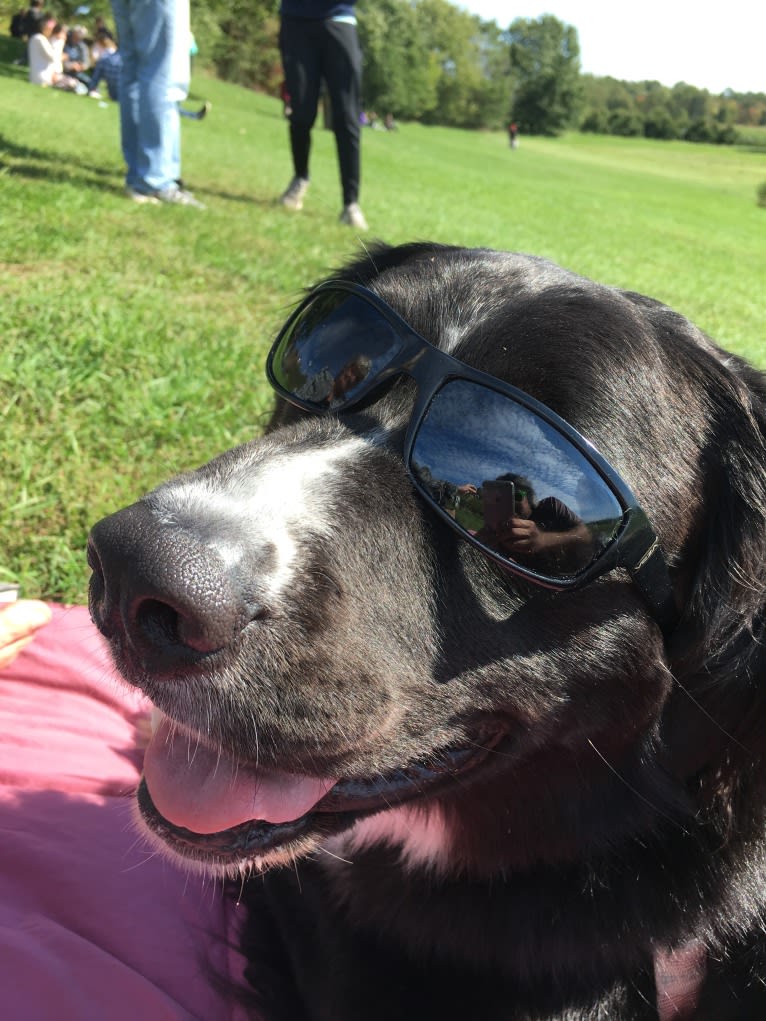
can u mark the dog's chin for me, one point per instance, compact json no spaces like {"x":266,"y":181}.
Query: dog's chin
{"x":258,"y":844}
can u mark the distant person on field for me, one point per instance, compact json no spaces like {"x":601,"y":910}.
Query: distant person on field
{"x":45,"y":61}
{"x":108,"y":68}
{"x":77,"y":54}
{"x":32,"y":20}
{"x":58,"y":41}
{"x":318,"y":40}
{"x":98,"y":49}
{"x":196,"y":115}
{"x":154,"y":46}
{"x":25,"y":24}
{"x":16,"y":27}
{"x":513,"y":135}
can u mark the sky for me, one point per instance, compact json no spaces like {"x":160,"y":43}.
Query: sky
{"x":714,"y":46}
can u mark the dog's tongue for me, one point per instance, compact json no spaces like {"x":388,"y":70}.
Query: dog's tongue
{"x":206,"y":791}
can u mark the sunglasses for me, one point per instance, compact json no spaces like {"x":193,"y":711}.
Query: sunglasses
{"x":503,"y":470}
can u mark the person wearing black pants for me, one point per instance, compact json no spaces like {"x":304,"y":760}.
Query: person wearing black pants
{"x":318,"y":40}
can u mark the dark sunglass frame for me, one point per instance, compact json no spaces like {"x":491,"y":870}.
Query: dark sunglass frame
{"x":634,"y":548}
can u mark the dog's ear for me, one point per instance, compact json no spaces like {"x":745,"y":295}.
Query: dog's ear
{"x":726,"y":609}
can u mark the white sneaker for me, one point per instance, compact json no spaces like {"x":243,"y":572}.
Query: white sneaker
{"x":353,"y":216}
{"x":141,"y":197}
{"x":176,"y":196}
{"x":292,"y":198}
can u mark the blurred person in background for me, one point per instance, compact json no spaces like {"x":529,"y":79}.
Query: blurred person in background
{"x":109,"y":67}
{"x":44,"y":56}
{"x":76,"y":57}
{"x":318,"y":41}
{"x":154,"y":46}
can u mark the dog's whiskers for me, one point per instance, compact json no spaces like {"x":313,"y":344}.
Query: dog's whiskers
{"x":294,"y":863}
{"x":638,"y":794}
{"x":490,"y":750}
{"x":369,"y":255}
{"x":148,"y":855}
{"x":330,"y":853}
{"x":709,"y":716}
{"x":255,"y":736}
{"x":244,"y":875}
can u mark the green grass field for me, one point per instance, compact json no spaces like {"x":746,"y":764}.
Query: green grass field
{"x":133,"y":337}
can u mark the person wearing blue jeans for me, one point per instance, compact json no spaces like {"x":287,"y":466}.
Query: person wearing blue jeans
{"x":318,"y":41}
{"x":154,"y":37}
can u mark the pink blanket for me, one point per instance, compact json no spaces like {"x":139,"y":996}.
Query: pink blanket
{"x":93,"y":924}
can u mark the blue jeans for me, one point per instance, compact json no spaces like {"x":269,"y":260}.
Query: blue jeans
{"x":154,"y":39}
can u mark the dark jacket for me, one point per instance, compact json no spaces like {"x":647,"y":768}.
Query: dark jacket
{"x":316,"y":9}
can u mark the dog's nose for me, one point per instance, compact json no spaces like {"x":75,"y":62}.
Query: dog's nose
{"x":161,"y":588}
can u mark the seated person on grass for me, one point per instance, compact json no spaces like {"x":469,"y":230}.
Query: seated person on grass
{"x":76,"y":58}
{"x":108,"y":67}
{"x":100,"y":32}
{"x":45,"y":63}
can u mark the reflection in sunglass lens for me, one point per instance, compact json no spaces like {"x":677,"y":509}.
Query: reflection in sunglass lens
{"x":512,"y":481}
{"x":335,"y":347}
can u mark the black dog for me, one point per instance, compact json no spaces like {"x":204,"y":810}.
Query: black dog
{"x":494,"y":698}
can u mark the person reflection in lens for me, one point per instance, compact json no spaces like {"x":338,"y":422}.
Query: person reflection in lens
{"x":324,"y":388}
{"x":545,"y":534}
{"x":446,"y":494}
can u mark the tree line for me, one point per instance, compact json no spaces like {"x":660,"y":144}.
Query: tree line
{"x":656,"y":111}
{"x":430,"y":61}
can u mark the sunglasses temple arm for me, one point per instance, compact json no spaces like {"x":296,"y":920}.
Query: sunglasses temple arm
{"x":652,"y":578}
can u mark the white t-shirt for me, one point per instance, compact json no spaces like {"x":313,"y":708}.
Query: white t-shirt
{"x":180,"y":59}
{"x":42,"y":60}
{"x":58,"y":50}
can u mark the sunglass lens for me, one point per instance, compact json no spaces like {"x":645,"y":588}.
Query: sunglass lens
{"x":512,"y":482}
{"x":333,"y":349}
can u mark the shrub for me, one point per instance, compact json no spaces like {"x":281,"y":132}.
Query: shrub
{"x":626,"y":123}
{"x":596,"y":121}
{"x":726,"y":134}
{"x":660,"y":124}
{"x":700,"y":130}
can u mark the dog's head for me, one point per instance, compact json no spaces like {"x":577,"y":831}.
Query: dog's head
{"x":330,"y":654}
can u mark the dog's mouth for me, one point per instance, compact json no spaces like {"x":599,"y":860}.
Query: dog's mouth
{"x":209,"y":807}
